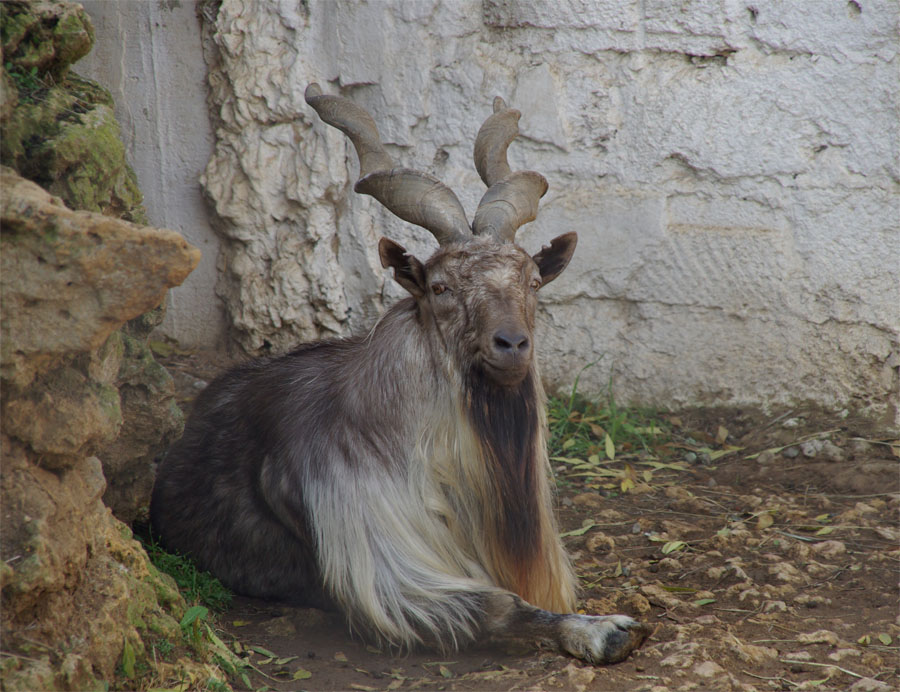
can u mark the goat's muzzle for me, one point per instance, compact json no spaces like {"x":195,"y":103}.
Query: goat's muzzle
{"x":508,"y":356}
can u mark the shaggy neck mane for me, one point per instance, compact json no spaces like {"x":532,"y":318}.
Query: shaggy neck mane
{"x":506,"y":422}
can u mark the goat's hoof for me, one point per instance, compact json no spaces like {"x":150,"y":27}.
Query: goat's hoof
{"x":602,"y":639}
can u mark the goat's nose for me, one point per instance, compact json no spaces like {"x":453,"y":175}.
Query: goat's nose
{"x":510,"y":341}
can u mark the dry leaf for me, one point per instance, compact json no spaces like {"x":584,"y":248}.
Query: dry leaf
{"x":610,"y":447}
{"x":586,"y":526}
{"x":721,"y":435}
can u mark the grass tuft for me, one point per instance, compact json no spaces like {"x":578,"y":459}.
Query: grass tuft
{"x":578,"y":426}
{"x":598,"y":443}
{"x":195,"y":585}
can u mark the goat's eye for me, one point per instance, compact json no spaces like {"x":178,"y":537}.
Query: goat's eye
{"x":438,"y":288}
{"x":535,"y":284}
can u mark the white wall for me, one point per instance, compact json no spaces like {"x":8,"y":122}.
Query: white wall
{"x":148,"y":54}
{"x":731,"y":169}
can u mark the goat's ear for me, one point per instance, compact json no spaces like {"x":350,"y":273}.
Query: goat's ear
{"x":553,"y":258}
{"x":408,"y":271}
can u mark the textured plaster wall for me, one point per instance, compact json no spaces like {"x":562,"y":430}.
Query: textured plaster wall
{"x":148,"y":54}
{"x":731,"y":168}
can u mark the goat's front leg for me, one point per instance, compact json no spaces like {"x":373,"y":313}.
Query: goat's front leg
{"x":596,"y":639}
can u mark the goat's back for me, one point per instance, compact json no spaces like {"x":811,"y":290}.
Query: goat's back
{"x":231,"y":493}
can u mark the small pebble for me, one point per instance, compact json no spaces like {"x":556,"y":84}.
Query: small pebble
{"x":831,"y":452}
{"x":766,"y":457}
{"x":775,"y":607}
{"x":860,"y":447}
{"x":790,"y":452}
{"x":811,"y":448}
{"x":690,"y":457}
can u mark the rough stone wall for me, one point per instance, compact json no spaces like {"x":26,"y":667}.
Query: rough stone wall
{"x":731,"y":169}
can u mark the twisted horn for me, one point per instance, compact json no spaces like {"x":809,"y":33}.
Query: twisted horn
{"x":512,"y":197}
{"x":412,"y":195}
{"x":494,"y":137}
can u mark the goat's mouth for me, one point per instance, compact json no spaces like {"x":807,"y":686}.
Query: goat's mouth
{"x":506,"y":373}
{"x":506,"y":354}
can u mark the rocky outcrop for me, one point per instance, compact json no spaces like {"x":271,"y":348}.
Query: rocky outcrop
{"x":77,"y":588}
{"x":74,"y":582}
{"x":70,"y":280}
{"x":59,"y":131}
{"x":83,"y":407}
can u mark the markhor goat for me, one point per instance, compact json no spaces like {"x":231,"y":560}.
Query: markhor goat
{"x":402,"y":475}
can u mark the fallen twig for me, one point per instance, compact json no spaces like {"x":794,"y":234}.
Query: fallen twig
{"x":778,"y":679}
{"x":822,"y":665}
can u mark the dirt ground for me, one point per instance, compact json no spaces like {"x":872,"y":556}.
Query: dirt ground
{"x":765,"y":549}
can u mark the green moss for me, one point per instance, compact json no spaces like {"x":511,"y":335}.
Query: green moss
{"x":163,"y":625}
{"x":110,"y":402}
{"x":26,"y":673}
{"x":14,"y":26}
{"x":49,"y":36}
{"x":66,"y":139}
{"x":141,"y":327}
{"x":125,"y":532}
{"x":111,"y":350}
{"x":135,"y":614}
{"x":33,"y":53}
{"x":28,"y":126}
{"x":61,"y":132}
{"x":197,"y":586}
{"x":88,"y":92}
{"x":73,"y":37}
{"x":166,"y":590}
